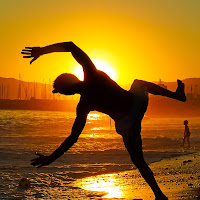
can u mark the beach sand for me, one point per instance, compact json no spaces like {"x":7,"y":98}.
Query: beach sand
{"x":178,"y":177}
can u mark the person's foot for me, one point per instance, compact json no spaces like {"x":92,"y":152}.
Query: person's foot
{"x":180,"y":91}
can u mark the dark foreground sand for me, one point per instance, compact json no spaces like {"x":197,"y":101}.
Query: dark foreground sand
{"x":179,"y":178}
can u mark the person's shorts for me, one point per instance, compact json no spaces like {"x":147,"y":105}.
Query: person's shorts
{"x":129,"y":126}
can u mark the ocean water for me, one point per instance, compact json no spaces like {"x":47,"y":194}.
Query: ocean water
{"x":99,"y":150}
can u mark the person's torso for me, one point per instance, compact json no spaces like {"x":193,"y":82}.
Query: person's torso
{"x":187,"y":131}
{"x":104,"y":95}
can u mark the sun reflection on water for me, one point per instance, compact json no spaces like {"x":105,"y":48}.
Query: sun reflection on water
{"x":94,"y":135}
{"x":93,"y":116}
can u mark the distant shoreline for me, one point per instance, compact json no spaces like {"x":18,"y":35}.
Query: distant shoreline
{"x":39,"y":104}
{"x":163,"y":108}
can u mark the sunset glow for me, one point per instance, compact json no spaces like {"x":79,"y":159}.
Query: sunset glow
{"x":100,"y":65}
{"x":140,"y":38}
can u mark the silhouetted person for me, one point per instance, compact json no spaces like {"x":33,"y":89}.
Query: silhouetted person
{"x":99,"y":92}
{"x":186,"y":133}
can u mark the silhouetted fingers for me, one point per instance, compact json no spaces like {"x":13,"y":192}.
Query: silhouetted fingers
{"x":33,"y":164}
{"x":40,"y":166}
{"x":27,"y":56}
{"x":33,"y":159}
{"x":28,"y":47}
{"x":39,"y":163}
{"x":36,"y":159}
{"x":38,"y":154}
{"x":32,"y":60}
{"x":36,"y":163}
{"x":24,"y":52}
{"x":30,"y":63}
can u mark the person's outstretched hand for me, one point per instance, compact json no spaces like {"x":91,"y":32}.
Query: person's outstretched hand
{"x":41,"y":160}
{"x":31,"y":52}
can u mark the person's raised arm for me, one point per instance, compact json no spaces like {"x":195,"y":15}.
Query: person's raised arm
{"x":77,"y":128}
{"x":80,"y":56}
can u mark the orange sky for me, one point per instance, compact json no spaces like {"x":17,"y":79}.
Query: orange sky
{"x":140,"y":39}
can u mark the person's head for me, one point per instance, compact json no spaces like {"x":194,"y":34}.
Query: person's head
{"x":186,"y":122}
{"x":66,"y":84}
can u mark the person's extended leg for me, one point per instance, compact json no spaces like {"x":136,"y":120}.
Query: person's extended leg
{"x":157,"y":90}
{"x":188,"y":140}
{"x":133,"y":143}
{"x":138,"y":160}
{"x":183,"y":141}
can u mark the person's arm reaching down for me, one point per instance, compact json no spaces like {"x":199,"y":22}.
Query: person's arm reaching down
{"x":80,"y":56}
{"x":77,"y":128}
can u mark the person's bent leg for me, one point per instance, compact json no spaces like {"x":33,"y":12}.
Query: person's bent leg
{"x":157,"y":90}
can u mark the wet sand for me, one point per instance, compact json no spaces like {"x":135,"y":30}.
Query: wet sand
{"x":179,"y":178}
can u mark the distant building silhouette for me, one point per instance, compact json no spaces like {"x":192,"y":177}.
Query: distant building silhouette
{"x":161,"y":84}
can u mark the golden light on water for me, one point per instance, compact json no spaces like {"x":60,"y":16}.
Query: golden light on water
{"x":100,"y":65}
{"x":117,"y":185}
{"x":103,"y":184}
{"x":93,"y":116}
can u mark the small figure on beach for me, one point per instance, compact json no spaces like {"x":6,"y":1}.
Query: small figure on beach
{"x":186,"y":133}
{"x":100,"y":93}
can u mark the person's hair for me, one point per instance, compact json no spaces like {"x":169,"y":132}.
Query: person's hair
{"x":186,"y":122}
{"x":64,"y":82}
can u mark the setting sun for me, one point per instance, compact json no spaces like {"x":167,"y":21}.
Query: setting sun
{"x":100,"y":65}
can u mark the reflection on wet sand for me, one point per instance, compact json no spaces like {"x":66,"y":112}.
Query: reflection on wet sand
{"x":178,"y":177}
{"x":115,"y":185}
{"x":102,"y":183}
